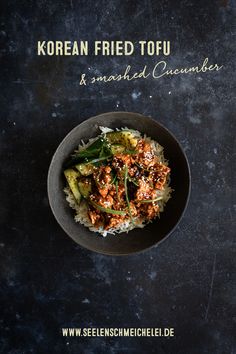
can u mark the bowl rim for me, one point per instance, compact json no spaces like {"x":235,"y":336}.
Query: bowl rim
{"x":158,"y":243}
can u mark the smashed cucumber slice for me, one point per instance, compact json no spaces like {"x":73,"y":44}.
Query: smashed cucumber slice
{"x":71,"y":177}
{"x":117,"y":149}
{"x":85,"y":187}
{"x":124,"y":137}
{"x":85,"y":169}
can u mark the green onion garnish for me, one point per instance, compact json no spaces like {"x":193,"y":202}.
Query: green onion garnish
{"x":91,"y":152}
{"x":99,"y":159}
{"x":126,"y":193}
{"x":107,"y":210}
{"x":117,"y":183}
{"x":133,"y":181}
{"x":114,"y":179}
{"x":150,"y":200}
{"x":105,"y":150}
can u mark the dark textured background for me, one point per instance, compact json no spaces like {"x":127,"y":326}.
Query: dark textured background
{"x":47,"y":281}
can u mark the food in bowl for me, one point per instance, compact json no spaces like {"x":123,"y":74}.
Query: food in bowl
{"x":117,"y":181}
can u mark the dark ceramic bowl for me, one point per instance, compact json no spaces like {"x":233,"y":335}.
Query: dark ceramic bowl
{"x":138,"y":239}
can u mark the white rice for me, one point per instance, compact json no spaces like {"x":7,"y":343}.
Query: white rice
{"x":81,"y":210}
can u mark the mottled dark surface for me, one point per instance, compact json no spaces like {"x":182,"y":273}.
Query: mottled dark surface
{"x":47,"y":281}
